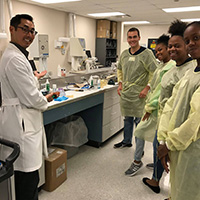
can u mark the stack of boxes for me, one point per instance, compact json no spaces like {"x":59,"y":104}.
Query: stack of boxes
{"x":113,"y":31}
{"x":106,"y":29}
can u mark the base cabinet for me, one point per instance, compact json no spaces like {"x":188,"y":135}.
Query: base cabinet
{"x":112,"y":119}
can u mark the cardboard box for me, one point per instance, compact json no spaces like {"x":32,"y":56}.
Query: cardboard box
{"x":103,"y":24}
{"x":114,"y":26}
{"x":55,"y":169}
{"x":113,"y":35}
{"x":103,"y":33}
{"x":114,"y":30}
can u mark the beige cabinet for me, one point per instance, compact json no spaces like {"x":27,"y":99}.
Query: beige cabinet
{"x":112,"y":119}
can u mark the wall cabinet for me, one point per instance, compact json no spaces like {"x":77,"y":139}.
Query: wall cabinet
{"x":106,"y":51}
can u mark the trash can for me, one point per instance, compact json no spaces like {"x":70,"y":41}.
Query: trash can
{"x":68,"y":133}
{"x":7,"y":188}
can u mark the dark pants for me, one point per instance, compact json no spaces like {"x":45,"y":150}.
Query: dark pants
{"x":158,"y":168}
{"x":26,"y":185}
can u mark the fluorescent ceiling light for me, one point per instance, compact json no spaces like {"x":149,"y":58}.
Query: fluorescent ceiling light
{"x":182,"y":9}
{"x":190,"y":20}
{"x":53,"y":1}
{"x":136,"y":22}
{"x":109,"y":14}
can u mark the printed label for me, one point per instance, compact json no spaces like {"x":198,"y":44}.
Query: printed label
{"x":131,"y":59}
{"x":60,"y":170}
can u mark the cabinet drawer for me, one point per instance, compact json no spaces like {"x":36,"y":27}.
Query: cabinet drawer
{"x":111,"y":113}
{"x":110,"y":129}
{"x":110,"y":98}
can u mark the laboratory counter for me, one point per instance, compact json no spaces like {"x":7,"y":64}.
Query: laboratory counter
{"x":99,"y":108}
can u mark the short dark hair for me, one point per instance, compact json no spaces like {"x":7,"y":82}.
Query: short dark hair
{"x":134,"y":29}
{"x":16,"y":20}
{"x":163,"y":39}
{"x":196,"y":23}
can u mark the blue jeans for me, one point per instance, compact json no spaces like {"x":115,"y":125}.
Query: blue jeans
{"x":158,"y":168}
{"x":139,"y":149}
{"x":128,"y":134}
{"x":128,"y":128}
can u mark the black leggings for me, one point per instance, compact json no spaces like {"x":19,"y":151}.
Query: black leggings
{"x":26,"y":185}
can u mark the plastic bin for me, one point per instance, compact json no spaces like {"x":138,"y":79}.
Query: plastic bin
{"x":69,"y":134}
{"x":7,"y":188}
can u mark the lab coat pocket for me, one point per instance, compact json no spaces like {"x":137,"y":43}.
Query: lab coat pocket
{"x":32,"y":120}
{"x":11,"y":118}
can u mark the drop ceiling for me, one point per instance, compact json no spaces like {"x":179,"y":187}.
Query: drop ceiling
{"x":135,"y":10}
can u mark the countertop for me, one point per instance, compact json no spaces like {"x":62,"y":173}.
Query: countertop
{"x":77,"y":95}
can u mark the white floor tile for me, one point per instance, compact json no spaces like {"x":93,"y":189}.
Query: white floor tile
{"x":98,"y":174}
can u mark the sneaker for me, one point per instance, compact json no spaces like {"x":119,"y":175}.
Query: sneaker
{"x":133,"y":169}
{"x":121,"y":145}
{"x":150,"y":166}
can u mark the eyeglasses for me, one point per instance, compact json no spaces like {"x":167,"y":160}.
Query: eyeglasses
{"x":27,"y":31}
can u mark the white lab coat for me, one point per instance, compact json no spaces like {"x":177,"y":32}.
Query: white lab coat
{"x":21,"y":112}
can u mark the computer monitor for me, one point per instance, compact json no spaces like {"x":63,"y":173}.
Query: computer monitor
{"x":88,"y":53}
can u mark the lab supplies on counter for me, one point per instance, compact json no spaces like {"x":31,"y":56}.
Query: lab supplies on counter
{"x":61,"y":98}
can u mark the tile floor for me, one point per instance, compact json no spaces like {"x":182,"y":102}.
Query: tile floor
{"x":98,"y":174}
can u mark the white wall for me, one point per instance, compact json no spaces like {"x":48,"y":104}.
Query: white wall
{"x":86,"y":28}
{"x":55,"y":24}
{"x":146,"y":31}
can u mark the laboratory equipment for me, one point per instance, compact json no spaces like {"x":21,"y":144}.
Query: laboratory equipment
{"x":77,"y":52}
{"x":91,"y":63}
{"x":39,"y":50}
{"x":61,"y":44}
{"x":7,"y":188}
{"x":88,"y":53}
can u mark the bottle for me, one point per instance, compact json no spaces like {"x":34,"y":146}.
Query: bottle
{"x":59,"y":71}
{"x":87,"y":67}
{"x":54,"y":86}
{"x":98,"y":84}
{"x":92,"y":82}
{"x":47,"y":85}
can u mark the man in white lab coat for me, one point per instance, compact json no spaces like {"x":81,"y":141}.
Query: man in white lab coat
{"x":22,"y":106}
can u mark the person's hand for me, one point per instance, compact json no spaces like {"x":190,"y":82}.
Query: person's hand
{"x":164,"y":161}
{"x":52,"y":96}
{"x":162,"y":151}
{"x":40,"y":75}
{"x":119,"y":89}
{"x":146,"y":116}
{"x":144,"y":92}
